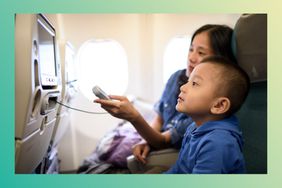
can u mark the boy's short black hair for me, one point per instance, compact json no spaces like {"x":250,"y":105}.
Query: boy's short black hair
{"x":235,"y":81}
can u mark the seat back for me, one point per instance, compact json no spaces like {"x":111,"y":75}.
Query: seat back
{"x":250,"y":46}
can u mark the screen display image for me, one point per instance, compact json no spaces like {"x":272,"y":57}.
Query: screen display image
{"x":46,"y":55}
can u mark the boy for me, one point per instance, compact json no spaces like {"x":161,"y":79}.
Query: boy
{"x":213,"y":144}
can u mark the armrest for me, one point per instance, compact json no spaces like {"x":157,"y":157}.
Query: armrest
{"x":162,"y":158}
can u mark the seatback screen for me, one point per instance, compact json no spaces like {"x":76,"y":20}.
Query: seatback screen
{"x":46,"y":44}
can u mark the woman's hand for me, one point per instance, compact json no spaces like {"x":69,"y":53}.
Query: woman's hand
{"x":119,"y":107}
{"x":141,"y":151}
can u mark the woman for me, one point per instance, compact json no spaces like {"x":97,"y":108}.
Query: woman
{"x":169,"y":126}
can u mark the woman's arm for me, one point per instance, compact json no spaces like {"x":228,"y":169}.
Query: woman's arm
{"x":142,"y":149}
{"x":121,"y":107}
{"x":152,"y":134}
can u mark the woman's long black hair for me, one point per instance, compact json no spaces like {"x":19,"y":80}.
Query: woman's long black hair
{"x":220,"y":39}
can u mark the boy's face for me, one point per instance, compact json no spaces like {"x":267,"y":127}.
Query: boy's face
{"x":198,"y":94}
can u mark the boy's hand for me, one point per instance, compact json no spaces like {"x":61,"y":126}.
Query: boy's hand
{"x":119,"y":107}
{"x":141,"y":151}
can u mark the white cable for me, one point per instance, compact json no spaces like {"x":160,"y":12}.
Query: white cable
{"x":84,"y":111}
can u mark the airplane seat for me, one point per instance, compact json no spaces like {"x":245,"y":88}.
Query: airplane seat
{"x":38,"y":87}
{"x":250,"y":48}
{"x":163,"y":158}
{"x":69,"y":90}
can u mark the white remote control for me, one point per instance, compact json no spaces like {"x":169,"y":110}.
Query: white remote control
{"x":100,"y":93}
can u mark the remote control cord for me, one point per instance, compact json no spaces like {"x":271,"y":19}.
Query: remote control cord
{"x":76,"y":109}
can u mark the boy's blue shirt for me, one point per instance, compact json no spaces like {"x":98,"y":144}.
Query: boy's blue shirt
{"x":213,"y":148}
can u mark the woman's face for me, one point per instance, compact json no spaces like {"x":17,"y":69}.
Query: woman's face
{"x":200,"y":48}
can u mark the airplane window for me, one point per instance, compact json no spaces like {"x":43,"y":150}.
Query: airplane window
{"x":103,"y":63}
{"x":175,"y":56}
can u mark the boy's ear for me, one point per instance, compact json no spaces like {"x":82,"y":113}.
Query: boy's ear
{"x":220,"y":106}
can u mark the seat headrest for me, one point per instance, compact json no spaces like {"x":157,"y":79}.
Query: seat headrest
{"x":250,"y":45}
